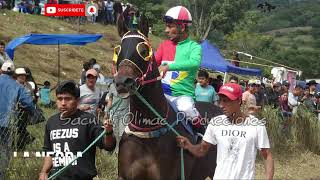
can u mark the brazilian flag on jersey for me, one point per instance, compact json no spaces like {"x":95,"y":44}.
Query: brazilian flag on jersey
{"x":183,"y":59}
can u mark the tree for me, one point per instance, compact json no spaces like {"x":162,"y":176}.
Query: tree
{"x":152,"y":9}
{"x":215,"y":14}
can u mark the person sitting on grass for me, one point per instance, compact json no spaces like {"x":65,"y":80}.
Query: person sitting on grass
{"x":45,"y":94}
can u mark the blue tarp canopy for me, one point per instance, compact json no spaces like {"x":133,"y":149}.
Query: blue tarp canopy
{"x":51,"y":39}
{"x":213,"y":60}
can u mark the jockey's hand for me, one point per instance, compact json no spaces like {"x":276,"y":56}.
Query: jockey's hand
{"x":163,"y":70}
{"x":183,"y":142}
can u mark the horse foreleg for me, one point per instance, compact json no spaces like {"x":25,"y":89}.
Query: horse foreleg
{"x":153,"y":172}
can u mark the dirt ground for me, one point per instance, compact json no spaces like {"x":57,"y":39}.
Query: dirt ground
{"x":305,"y":165}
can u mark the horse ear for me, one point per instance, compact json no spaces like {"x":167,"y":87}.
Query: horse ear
{"x":122,"y":26}
{"x":143,"y":25}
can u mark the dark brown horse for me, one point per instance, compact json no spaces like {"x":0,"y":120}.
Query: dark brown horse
{"x":142,"y":157}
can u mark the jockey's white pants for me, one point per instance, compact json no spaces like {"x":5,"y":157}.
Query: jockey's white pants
{"x":185,"y":104}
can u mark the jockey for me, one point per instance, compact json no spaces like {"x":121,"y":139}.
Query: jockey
{"x":178,"y":59}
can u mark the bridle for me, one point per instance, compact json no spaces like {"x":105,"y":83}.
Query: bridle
{"x":140,"y":81}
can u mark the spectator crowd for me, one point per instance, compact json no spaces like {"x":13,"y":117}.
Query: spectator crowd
{"x":256,"y":94}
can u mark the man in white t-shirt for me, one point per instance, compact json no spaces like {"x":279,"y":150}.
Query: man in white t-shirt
{"x":89,"y":93}
{"x":293,"y":98}
{"x":237,"y":136}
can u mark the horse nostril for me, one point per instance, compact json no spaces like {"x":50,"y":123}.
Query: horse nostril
{"x":125,"y":83}
{"x":118,"y":84}
{"x":129,"y":83}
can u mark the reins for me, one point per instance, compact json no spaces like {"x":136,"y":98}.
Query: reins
{"x":167,"y":124}
{"x":60,"y":171}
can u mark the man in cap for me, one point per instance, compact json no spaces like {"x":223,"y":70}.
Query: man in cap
{"x":178,"y":59}
{"x":273,"y":94}
{"x":11,"y":94}
{"x":312,"y":87}
{"x":89,"y":93}
{"x":68,"y":133}
{"x":249,"y":100}
{"x":237,"y":136}
{"x":260,"y":94}
{"x":21,"y":76}
{"x":285,"y":86}
{"x":293,"y":98}
{"x":24,"y":137}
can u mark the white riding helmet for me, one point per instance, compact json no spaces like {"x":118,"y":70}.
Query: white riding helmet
{"x":178,"y":14}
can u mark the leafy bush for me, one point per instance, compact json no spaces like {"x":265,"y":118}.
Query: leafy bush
{"x":302,"y":131}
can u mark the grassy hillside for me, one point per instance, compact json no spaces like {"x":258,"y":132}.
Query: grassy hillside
{"x":288,"y":35}
{"x":294,"y":158}
{"x":42,"y":60}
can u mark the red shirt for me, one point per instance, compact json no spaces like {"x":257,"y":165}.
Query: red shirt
{"x":166,"y":51}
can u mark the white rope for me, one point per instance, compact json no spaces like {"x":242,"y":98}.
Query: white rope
{"x":263,"y":59}
{"x":250,"y":63}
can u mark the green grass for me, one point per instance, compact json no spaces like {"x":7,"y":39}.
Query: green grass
{"x":296,"y":153}
{"x":43,"y":60}
{"x":21,"y":168}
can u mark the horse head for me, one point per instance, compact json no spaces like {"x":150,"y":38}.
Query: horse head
{"x":133,"y":58}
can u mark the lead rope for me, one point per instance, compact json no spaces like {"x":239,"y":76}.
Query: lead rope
{"x":84,"y":151}
{"x":167,"y":124}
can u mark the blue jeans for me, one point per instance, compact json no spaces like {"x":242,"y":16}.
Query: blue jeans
{"x":22,"y":9}
{"x":109,"y":17}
